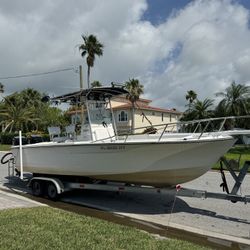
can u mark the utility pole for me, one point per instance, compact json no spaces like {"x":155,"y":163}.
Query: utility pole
{"x":81,"y":81}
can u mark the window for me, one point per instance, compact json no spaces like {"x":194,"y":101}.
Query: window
{"x":162,"y":117}
{"x":123,"y":116}
{"x":170,"y":117}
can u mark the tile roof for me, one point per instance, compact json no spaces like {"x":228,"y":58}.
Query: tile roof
{"x":146,"y":107}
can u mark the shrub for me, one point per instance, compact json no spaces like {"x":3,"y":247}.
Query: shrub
{"x":6,"y":138}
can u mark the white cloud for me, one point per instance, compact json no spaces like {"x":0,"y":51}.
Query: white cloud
{"x":44,"y":37}
{"x":202,"y":47}
{"x":215,"y":51}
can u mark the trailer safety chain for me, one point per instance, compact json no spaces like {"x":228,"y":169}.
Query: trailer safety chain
{"x":177,"y":189}
{"x":224,"y":180}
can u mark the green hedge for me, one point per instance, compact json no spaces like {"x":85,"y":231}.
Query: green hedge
{"x":46,"y":137}
{"x":7,"y":138}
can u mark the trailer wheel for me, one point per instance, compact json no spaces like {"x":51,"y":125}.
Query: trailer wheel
{"x":52,"y":191}
{"x":37,"y":188}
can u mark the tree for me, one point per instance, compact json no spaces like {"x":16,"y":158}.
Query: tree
{"x":26,"y":111}
{"x":15,"y":115}
{"x":90,"y":48}
{"x":191,"y":96}
{"x":52,"y":116}
{"x":1,"y":88}
{"x":31,"y":97}
{"x":135,"y":89}
{"x":199,"y":110}
{"x":202,"y":109}
{"x":96,"y":84}
{"x":235,"y":99}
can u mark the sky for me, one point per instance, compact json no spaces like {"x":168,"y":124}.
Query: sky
{"x":171,"y":46}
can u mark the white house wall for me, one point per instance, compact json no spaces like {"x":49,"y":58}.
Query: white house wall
{"x":154,"y":116}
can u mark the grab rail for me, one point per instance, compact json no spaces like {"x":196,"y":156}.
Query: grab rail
{"x":178,"y":124}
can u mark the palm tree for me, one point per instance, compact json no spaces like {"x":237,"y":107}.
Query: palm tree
{"x":1,"y":88}
{"x":90,"y":48}
{"x":31,"y":97}
{"x":96,"y":84}
{"x":198,"y":110}
{"x":235,"y":99}
{"x":191,"y":96}
{"x":135,"y":89}
{"x":202,"y":109}
{"x":15,"y":116}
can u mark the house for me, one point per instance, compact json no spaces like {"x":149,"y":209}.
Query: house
{"x":145,"y":115}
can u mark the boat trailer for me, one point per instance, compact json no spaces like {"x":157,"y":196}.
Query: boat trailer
{"x":53,"y":187}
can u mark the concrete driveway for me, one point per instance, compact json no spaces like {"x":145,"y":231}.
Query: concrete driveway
{"x":213,"y":215}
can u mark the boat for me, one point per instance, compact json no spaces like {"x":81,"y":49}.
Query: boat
{"x":98,"y":153}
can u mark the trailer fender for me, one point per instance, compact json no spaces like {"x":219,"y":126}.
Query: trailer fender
{"x":58,"y":183}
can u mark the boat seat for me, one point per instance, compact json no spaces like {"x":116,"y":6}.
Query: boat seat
{"x":70,"y":131}
{"x":100,"y":132}
{"x":54,"y":132}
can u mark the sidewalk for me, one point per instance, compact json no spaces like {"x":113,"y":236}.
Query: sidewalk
{"x":11,"y":200}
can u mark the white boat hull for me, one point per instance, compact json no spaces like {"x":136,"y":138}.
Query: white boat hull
{"x":148,"y":163}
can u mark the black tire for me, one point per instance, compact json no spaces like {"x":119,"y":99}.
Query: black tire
{"x":37,"y":188}
{"x":52,"y":191}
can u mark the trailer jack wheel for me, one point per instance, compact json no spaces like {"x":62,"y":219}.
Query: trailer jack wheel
{"x":37,"y":188}
{"x":52,"y":191}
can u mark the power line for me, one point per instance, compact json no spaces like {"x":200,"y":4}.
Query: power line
{"x":37,"y":74}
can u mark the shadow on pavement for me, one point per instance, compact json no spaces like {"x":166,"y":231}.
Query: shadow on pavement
{"x":138,"y":203}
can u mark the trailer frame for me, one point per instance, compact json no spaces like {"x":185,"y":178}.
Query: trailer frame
{"x":54,"y":187}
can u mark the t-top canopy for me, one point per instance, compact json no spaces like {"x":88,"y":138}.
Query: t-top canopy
{"x":99,"y":93}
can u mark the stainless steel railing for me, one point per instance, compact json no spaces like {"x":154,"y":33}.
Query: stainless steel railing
{"x":179,"y":127}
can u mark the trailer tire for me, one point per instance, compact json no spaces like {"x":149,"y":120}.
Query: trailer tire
{"x":37,"y":188}
{"x":52,"y":191}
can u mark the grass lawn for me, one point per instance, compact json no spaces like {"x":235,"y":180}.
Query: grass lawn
{"x":234,"y":153}
{"x":50,"y":228}
{"x":4,"y":147}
